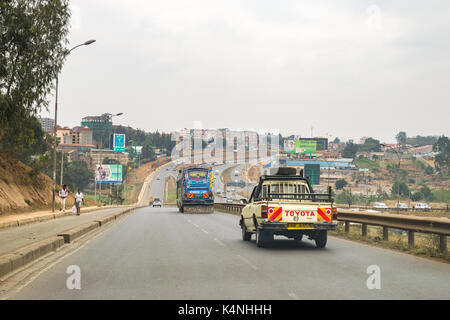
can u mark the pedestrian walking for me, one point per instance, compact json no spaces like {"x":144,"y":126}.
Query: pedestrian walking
{"x":78,"y":201}
{"x":63,"y":193}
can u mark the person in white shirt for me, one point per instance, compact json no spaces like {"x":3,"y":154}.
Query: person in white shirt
{"x":63,"y":193}
{"x":78,"y":201}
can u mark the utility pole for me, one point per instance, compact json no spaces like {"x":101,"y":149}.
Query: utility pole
{"x":56,"y":121}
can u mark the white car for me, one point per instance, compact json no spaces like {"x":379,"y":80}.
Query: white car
{"x":422,"y":206}
{"x":401,"y":206}
{"x":379,"y":205}
{"x":157,"y":203}
{"x":229,"y":200}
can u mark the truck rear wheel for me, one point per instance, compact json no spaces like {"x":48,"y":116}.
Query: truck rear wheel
{"x":321,"y":239}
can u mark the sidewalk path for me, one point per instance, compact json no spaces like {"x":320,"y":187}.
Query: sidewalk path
{"x":15,"y":238}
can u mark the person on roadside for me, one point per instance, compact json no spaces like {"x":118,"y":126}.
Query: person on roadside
{"x":63,"y":193}
{"x":79,"y":200}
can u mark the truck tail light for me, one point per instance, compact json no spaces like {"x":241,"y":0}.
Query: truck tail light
{"x":335,"y":214}
{"x":264,"y":212}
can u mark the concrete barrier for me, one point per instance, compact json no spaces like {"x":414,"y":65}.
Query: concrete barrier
{"x":12,"y":261}
{"x":79,"y":231}
{"x":105,"y":220}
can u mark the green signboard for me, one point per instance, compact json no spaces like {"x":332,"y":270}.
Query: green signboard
{"x":119,"y":142}
{"x":312,"y":172}
{"x":300,"y":146}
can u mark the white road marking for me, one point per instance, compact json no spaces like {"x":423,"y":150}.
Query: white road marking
{"x":293,"y":296}
{"x":219,"y":242}
{"x":248,"y":262}
{"x":196,"y":225}
{"x":204,"y":231}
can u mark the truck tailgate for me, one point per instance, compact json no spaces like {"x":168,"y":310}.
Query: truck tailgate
{"x":304,"y":213}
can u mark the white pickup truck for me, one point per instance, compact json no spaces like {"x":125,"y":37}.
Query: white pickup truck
{"x":284,"y":204}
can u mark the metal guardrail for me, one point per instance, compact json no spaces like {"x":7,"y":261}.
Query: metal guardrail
{"x":390,"y":209}
{"x":411,"y":224}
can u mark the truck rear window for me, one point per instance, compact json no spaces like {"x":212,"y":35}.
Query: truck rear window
{"x":291,"y":191}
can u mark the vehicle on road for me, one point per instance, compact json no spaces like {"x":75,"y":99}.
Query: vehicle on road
{"x":380,"y":205}
{"x":195,"y":190}
{"x":229,"y":200}
{"x":285,"y":204}
{"x":157,"y":203}
{"x":401,"y":206}
{"x":422,"y":206}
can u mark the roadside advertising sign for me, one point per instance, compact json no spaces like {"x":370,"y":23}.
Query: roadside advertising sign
{"x":300,"y":146}
{"x":108,"y":173}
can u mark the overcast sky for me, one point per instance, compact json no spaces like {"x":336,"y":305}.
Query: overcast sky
{"x":344,"y":68}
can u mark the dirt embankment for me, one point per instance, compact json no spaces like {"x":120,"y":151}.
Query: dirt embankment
{"x":20,"y":190}
{"x":23,"y":191}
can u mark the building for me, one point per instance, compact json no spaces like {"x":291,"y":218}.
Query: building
{"x":100,"y":125}
{"x":47,"y":124}
{"x":74,"y":138}
{"x":82,"y":135}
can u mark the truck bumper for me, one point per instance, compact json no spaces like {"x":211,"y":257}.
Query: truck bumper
{"x":282,"y":226}
{"x":197,"y":202}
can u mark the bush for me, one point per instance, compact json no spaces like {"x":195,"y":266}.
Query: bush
{"x":341,"y":184}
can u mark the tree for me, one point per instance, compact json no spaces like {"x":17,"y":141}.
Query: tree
{"x":370,"y":145}
{"x":26,"y":141}
{"x":345,"y":197}
{"x":32,"y":38}
{"x":400,"y":188}
{"x":350,"y":150}
{"x":401,"y":137}
{"x":442,"y":159}
{"x":80,"y":174}
{"x":426,"y":192}
{"x":148,"y":151}
{"x":341,"y":184}
{"x":336,"y":140}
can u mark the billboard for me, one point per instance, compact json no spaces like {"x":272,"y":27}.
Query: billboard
{"x":300,"y":146}
{"x":108,"y":173}
{"x":119,"y":142}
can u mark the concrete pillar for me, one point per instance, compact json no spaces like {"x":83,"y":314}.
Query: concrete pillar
{"x":442,"y":243}
{"x":364,"y":230}
{"x":385,"y":233}
{"x":411,"y":239}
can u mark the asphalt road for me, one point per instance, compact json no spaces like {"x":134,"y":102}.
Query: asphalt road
{"x":158,"y":253}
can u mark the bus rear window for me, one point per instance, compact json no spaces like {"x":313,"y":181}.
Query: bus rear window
{"x":197,"y":174}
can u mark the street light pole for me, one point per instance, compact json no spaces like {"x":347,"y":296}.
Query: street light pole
{"x":110,"y":117}
{"x":55,"y":143}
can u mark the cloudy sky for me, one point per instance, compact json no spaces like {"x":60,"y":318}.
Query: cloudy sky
{"x":347,"y":68}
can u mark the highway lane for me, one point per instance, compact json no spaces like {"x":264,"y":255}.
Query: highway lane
{"x":158,"y":253}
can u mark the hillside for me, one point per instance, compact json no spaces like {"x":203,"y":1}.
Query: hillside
{"x":19,"y":191}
